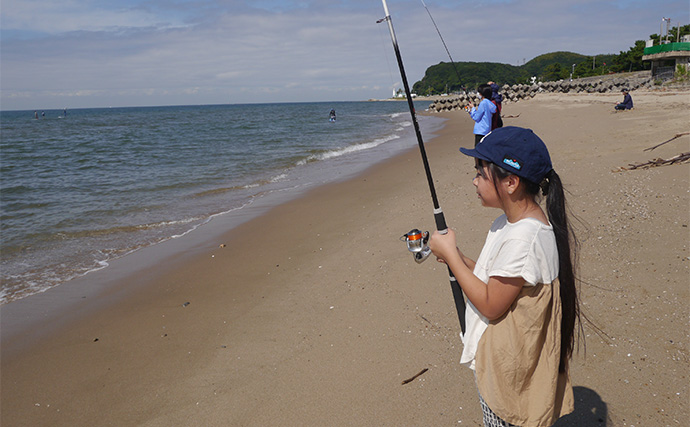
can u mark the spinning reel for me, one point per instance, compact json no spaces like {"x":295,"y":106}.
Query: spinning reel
{"x":417,"y":244}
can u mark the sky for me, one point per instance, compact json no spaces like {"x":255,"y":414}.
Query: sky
{"x":95,"y":53}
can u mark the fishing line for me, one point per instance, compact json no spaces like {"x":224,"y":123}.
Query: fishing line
{"x":457,"y":73}
{"x":388,"y":64}
{"x":413,"y":237}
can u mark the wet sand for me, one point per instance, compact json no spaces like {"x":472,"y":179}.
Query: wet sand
{"x":314,"y":313}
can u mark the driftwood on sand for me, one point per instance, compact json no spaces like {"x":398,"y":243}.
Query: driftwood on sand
{"x":409,"y":380}
{"x":666,"y":142}
{"x":680,"y":158}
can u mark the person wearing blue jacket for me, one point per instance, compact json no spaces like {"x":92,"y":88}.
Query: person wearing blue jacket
{"x":627,"y":103}
{"x":482,"y":113}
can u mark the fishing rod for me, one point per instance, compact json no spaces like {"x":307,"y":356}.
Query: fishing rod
{"x":416,"y":240}
{"x":457,"y":73}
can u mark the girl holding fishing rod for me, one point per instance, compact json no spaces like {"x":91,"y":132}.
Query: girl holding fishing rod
{"x":522,"y":300}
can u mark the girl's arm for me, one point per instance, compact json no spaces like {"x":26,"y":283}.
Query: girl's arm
{"x":491,"y":299}
{"x":469,"y":262}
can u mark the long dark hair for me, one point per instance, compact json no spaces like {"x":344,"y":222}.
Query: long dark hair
{"x":567,"y":246}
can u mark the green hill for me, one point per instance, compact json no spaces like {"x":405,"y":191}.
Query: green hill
{"x":447,"y":77}
{"x":443,"y":77}
{"x":537,"y":65}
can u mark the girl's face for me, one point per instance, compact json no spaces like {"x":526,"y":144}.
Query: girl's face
{"x":486,"y":190}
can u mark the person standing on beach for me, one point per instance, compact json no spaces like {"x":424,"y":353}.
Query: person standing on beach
{"x":522,"y":301}
{"x":483,"y":113}
{"x":627,"y":103}
{"x":497,"y":100}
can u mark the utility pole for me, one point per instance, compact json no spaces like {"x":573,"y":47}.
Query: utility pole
{"x":661,"y":29}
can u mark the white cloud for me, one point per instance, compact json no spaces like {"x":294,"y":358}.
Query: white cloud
{"x":217,"y":51}
{"x":55,"y":17}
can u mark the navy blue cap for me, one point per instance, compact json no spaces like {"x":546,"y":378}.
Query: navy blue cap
{"x":517,"y":150}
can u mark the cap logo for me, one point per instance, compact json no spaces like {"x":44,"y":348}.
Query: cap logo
{"x":512,"y":162}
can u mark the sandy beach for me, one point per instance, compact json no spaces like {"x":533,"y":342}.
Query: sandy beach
{"x":315,"y":313}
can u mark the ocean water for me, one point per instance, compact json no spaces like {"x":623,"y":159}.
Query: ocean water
{"x":80,"y":189}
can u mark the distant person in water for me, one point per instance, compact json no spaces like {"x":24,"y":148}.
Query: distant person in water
{"x":627,"y":103}
{"x":331,"y":116}
{"x":36,"y":115}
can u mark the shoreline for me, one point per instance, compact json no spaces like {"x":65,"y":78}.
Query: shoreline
{"x":315,"y":312}
{"x":68,"y":242}
{"x":58,"y":303}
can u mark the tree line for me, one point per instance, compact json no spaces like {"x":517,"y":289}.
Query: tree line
{"x":446,"y":77}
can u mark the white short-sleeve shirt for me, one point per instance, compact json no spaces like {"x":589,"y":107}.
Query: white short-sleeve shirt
{"x":524,"y":249}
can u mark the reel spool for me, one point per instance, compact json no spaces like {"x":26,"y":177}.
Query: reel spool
{"x":417,"y":244}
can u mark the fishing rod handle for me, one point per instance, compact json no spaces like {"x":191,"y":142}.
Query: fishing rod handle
{"x":460,"y":306}
{"x":459,"y":299}
{"x":440,"y":221}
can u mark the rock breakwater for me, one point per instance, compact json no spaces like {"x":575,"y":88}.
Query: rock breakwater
{"x":516,"y":92}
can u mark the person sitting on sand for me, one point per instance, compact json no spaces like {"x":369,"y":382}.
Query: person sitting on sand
{"x":483,"y":113}
{"x":627,"y":103}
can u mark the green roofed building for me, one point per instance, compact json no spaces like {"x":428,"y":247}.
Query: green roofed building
{"x":668,"y":57}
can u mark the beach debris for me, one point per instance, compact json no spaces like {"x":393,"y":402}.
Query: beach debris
{"x":409,"y":380}
{"x":512,"y":116}
{"x":186,"y":304}
{"x":95,"y":339}
{"x":222,"y":245}
{"x":678,"y":135}
{"x":680,"y":158}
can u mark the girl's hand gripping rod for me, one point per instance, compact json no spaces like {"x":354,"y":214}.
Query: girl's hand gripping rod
{"x":415,"y":236}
